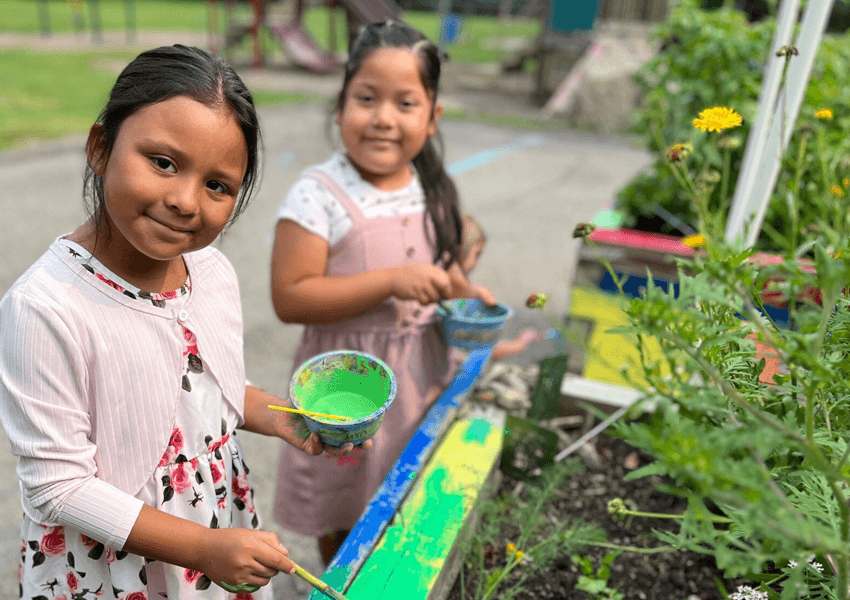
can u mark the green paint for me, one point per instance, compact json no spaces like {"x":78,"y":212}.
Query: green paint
{"x":336,"y":578}
{"x":344,"y":393}
{"x":477,"y":431}
{"x":434,"y":518}
{"x":409,"y":558}
{"x":344,"y":404}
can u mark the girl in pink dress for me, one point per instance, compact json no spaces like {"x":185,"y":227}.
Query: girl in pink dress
{"x":122,"y":379}
{"x":366,"y":244}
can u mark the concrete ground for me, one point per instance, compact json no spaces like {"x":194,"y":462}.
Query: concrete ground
{"x":528,"y":189}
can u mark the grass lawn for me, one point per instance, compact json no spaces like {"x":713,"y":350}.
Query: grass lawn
{"x":475,"y":44}
{"x":50,"y":95}
{"x":36,"y":103}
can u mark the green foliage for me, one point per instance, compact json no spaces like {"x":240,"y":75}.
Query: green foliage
{"x":764,"y":468}
{"x":498,"y":566}
{"x":716,"y":58}
{"x":595,"y":581}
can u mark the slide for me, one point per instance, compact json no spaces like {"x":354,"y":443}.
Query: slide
{"x":303,"y":50}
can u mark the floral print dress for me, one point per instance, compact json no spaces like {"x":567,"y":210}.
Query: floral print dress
{"x":201,"y":477}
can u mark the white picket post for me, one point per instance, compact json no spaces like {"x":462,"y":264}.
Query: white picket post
{"x":735,"y":222}
{"x":797,"y":80}
{"x":751,"y":206}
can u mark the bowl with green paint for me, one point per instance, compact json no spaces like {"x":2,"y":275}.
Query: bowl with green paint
{"x":346,"y":383}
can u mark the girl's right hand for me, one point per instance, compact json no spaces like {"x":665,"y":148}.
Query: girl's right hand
{"x":235,"y":556}
{"x":422,"y":282}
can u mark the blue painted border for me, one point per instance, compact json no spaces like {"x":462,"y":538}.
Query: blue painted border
{"x":399,"y":480}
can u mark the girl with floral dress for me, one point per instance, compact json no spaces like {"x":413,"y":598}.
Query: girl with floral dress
{"x":122,"y":380}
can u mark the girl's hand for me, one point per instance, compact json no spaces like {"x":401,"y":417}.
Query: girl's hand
{"x":421,"y":282}
{"x":314,"y":446}
{"x":483,"y":294}
{"x":295,"y":432}
{"x":236,"y":556}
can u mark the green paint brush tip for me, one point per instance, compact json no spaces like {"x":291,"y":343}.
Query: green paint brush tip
{"x":318,"y":584}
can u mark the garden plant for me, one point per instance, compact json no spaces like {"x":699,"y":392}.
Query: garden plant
{"x":763,"y":465}
{"x":718,"y":57}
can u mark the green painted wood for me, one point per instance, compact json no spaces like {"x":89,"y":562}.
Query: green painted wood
{"x":412,"y":559}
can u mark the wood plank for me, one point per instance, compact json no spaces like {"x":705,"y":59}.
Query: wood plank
{"x":354,"y":552}
{"x":409,"y":560}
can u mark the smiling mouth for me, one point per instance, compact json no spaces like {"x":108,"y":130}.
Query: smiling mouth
{"x":171,"y":227}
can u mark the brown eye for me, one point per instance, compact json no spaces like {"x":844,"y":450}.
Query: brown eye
{"x":164,"y":164}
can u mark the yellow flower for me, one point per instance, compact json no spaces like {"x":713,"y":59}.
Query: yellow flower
{"x":511,"y":547}
{"x":519,"y":555}
{"x":846,"y":182}
{"x":824,"y":113}
{"x":717,"y":119}
{"x":836,"y":191}
{"x":694,"y":241}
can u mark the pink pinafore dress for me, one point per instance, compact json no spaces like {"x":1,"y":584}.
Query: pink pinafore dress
{"x":318,"y":495}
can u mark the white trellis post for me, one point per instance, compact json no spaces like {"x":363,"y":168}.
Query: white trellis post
{"x":777,"y":113}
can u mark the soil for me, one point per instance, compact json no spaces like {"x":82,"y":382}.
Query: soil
{"x":679,"y":575}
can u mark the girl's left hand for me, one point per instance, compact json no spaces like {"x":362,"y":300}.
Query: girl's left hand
{"x":296,"y":433}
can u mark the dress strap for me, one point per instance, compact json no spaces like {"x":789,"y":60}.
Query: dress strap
{"x":337,"y":192}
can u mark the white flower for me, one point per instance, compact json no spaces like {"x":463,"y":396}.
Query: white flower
{"x":817,"y":566}
{"x":745,"y":592}
{"x":792,"y":564}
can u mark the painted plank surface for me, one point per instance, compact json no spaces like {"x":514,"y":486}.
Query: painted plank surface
{"x":409,"y":559}
{"x":354,"y":552}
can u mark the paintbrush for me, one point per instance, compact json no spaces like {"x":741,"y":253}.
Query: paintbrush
{"x":309,"y":413}
{"x":318,"y":583}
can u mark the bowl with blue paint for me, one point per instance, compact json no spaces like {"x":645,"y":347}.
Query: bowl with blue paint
{"x":471,"y":324}
{"x":347,"y":383}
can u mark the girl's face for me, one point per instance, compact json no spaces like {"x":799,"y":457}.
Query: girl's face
{"x":386,"y":117}
{"x":171,"y":181}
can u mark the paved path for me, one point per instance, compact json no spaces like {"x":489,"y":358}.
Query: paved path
{"x":528,"y":190}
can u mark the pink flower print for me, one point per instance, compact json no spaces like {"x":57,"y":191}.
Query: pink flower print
{"x":180,"y":478}
{"x":72,"y":581}
{"x":191,"y":576}
{"x":109,"y":282}
{"x":167,"y":456}
{"x":176,"y":440}
{"x":87,"y":541}
{"x":53,"y":544}
{"x":244,"y":596}
{"x":215,"y":472}
{"x":213,"y":446}
{"x":240,"y":490}
{"x":191,"y":342}
{"x":136,"y":596}
{"x":168,"y":295}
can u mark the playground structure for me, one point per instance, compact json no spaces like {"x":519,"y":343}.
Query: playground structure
{"x":95,"y":20}
{"x":291,"y":34}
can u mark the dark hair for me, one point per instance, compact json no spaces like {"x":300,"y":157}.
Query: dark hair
{"x":441,"y":197}
{"x":162,"y":73}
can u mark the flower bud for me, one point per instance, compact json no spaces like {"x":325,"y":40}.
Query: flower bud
{"x":787,"y":51}
{"x":583,"y":230}
{"x":729,"y":142}
{"x":536,"y":301}
{"x":679,"y":152}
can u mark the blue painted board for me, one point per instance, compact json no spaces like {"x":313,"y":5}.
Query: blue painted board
{"x":343,"y":568}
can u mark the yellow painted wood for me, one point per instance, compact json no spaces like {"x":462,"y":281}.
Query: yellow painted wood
{"x":408,"y":560}
{"x":606,"y":352}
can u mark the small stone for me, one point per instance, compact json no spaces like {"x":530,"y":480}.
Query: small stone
{"x":632,"y":461}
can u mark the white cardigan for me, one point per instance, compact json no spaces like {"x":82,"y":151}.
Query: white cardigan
{"x":90,"y":379}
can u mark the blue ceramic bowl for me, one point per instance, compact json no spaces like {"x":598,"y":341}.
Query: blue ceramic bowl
{"x":339,"y":381}
{"x":471,"y":324}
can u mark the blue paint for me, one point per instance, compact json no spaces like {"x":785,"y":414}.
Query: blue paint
{"x":482,"y":158}
{"x":343,"y":568}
